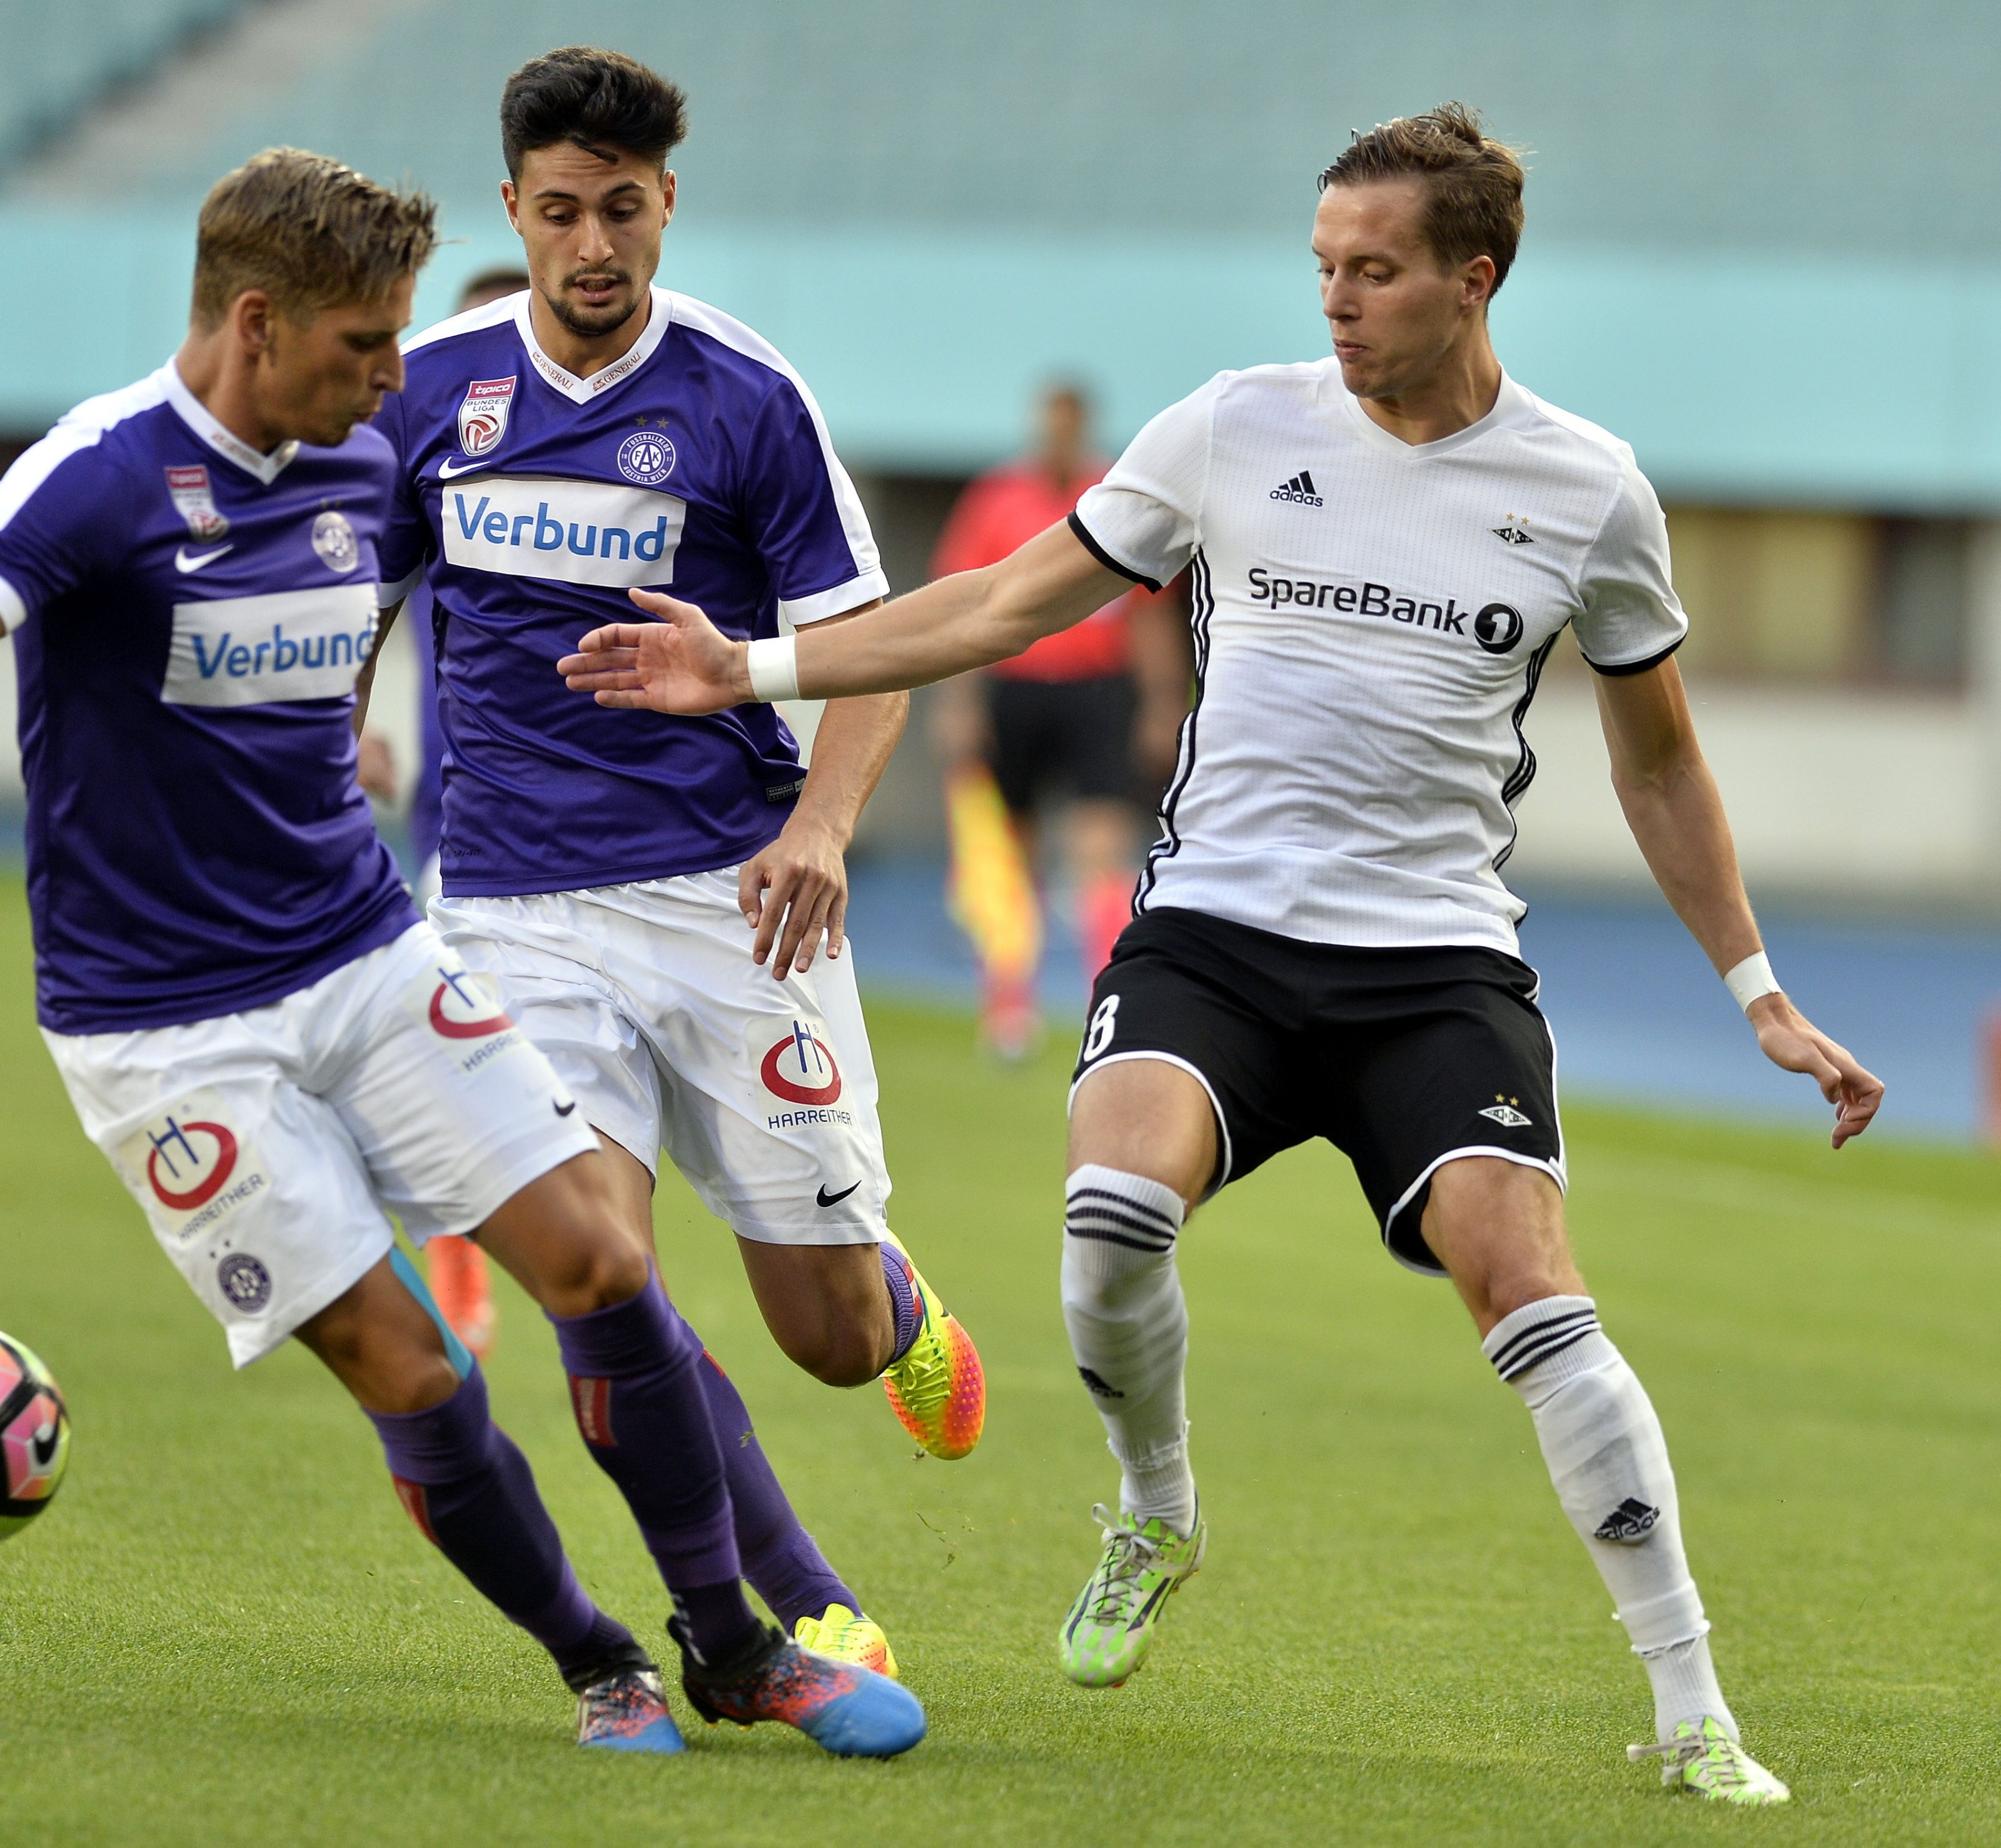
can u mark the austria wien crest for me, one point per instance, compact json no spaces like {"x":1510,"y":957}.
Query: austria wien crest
{"x":483,"y":418}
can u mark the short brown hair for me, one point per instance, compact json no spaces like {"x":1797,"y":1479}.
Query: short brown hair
{"x":309,"y":232}
{"x":1474,"y":182}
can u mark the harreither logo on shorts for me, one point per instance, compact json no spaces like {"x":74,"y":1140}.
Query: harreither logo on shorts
{"x":193,"y":1168}
{"x":800,"y":1070}
{"x":577,"y":532}
{"x":258,"y":651}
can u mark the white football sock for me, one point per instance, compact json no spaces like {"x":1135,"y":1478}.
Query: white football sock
{"x":1609,"y":1461}
{"x":1122,"y":1300}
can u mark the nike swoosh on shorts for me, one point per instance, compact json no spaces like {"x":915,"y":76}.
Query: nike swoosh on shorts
{"x":834,"y":1199}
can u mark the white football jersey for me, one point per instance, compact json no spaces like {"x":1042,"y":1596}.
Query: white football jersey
{"x":1371,"y":617}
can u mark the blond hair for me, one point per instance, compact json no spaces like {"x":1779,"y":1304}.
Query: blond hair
{"x":309,"y":232}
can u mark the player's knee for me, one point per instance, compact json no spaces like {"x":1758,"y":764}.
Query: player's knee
{"x":599,"y":1266}
{"x":419,"y":1383}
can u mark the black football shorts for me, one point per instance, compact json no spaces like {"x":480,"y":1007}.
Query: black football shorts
{"x":1053,"y":739}
{"x":1401,"y":1058}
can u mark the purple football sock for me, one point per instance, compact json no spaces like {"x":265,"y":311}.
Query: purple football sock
{"x":636,"y":1387}
{"x":472,"y":1495}
{"x":907,"y":1307}
{"x":783,"y":1565}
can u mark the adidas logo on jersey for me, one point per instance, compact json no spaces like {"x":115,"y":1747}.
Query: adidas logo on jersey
{"x":1300,"y":490}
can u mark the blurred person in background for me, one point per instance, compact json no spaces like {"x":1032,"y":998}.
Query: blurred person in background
{"x":457,"y":1267}
{"x":1090,"y":716}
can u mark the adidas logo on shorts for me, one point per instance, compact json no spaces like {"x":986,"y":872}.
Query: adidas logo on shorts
{"x":1300,"y":489}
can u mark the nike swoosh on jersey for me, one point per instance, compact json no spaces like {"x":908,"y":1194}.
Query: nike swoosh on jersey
{"x":446,"y":471}
{"x":834,"y":1199}
{"x":185,"y":560}
{"x":562,"y":1109}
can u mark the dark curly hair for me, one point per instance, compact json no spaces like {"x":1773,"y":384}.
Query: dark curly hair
{"x":602,"y":102}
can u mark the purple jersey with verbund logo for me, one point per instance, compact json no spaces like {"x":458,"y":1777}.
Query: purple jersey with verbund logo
{"x":531,"y":500}
{"x":190,"y":616}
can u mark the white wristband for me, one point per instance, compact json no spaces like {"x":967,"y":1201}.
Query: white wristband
{"x":1751,"y":978}
{"x":774,"y":668}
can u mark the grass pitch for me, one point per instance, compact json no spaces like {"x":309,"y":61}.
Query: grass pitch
{"x":225,"y":1631}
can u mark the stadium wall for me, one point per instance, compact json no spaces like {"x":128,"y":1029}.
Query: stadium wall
{"x":1740,"y":381}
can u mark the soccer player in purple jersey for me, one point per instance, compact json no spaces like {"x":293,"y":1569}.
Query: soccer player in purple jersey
{"x":635,"y":888}
{"x":271,"y":1049}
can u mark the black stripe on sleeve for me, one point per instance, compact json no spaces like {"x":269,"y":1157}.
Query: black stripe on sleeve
{"x":1105,"y":557}
{"x":1623,"y":668}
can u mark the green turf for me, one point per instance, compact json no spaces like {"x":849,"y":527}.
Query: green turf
{"x":225,"y":1631}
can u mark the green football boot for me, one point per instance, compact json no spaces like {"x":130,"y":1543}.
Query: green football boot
{"x":1705,"y":1760}
{"x":1111,"y":1626}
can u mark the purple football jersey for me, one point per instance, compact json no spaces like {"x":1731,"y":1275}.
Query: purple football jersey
{"x":191,"y":616}
{"x":530,"y":500}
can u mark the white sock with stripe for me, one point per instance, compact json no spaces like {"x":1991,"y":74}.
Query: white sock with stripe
{"x":1122,"y":1302}
{"x":1608,"y":1460}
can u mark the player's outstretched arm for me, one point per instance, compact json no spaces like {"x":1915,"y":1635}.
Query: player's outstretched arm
{"x":681,"y":663}
{"x":1673,"y":808}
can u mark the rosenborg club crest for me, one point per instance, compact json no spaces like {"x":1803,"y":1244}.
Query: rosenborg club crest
{"x":483,"y":418}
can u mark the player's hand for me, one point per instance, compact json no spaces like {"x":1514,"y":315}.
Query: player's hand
{"x":1793,"y":1042}
{"x":679,"y":662}
{"x":376,"y":773}
{"x":794,"y":892}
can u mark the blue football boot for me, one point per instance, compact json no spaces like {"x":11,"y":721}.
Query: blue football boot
{"x":842,"y":1707}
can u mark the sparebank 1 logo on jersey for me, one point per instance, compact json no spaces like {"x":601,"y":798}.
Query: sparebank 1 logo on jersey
{"x":1496,"y":627}
{"x":482,"y":417}
{"x":801,"y":1070}
{"x":194,"y":1166}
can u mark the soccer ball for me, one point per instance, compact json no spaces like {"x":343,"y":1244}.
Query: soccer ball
{"x":34,"y":1436}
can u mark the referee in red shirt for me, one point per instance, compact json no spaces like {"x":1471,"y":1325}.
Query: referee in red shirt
{"x":1088,"y":716}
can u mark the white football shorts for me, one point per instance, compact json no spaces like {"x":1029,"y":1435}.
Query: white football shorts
{"x":265,"y":1146}
{"x":647,"y":1002}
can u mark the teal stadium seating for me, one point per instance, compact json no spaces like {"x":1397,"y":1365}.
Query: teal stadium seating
{"x":61,"y":57}
{"x":930,"y":206}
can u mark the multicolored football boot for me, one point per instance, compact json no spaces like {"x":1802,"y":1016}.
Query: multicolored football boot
{"x":1110,"y":1627}
{"x":842,"y":1707}
{"x":939,"y":1389}
{"x":847,"y":1635}
{"x":627,"y":1711}
{"x":1706,"y":1760}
